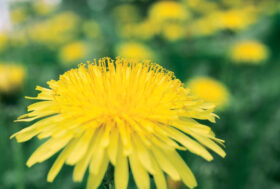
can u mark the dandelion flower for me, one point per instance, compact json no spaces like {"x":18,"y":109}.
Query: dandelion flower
{"x":134,"y":50}
{"x":11,"y":77}
{"x":252,"y":52}
{"x":209,"y":90}
{"x":235,"y":19}
{"x":73,"y":52}
{"x":163,"y":11}
{"x":124,"y":112}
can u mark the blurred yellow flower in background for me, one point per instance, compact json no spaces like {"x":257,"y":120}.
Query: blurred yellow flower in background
{"x":56,"y":30}
{"x":73,"y":52}
{"x":249,"y":52}
{"x":235,"y":19}
{"x":3,"y":41}
{"x":134,"y":50}
{"x":11,"y":77}
{"x":131,"y":114}
{"x":163,"y":11}
{"x":210,"y":90}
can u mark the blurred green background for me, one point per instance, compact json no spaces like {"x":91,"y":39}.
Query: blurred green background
{"x":227,"y":51}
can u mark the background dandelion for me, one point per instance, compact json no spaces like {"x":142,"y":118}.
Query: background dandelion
{"x":234,"y":43}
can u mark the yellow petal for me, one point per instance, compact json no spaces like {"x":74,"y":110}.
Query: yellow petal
{"x":49,"y":148}
{"x":140,"y":175}
{"x":121,"y":169}
{"x":25,"y":134}
{"x":56,"y":167}
{"x":165,"y":164}
{"x":80,"y":148}
{"x":113,"y":146}
{"x":209,"y":143}
{"x":143,"y":154}
{"x":95,"y":180}
{"x":189,"y":143}
{"x":159,"y":177}
{"x":184,"y":171}
{"x":82,"y":165}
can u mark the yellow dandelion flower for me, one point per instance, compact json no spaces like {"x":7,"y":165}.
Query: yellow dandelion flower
{"x":11,"y":77}
{"x":3,"y":41}
{"x":123,"y":112}
{"x":235,"y":19}
{"x":249,"y":52}
{"x":163,"y":11}
{"x":73,"y":52}
{"x":210,"y":90}
{"x":134,"y":50}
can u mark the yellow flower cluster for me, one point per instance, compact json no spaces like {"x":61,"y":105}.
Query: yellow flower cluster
{"x":124,"y":112}
{"x":233,"y":19}
{"x":164,"y":11}
{"x":11,"y":77}
{"x":252,"y":52}
{"x":164,"y":17}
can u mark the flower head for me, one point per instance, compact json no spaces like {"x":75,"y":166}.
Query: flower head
{"x":163,"y":11}
{"x":11,"y":77}
{"x":125,"y":112}
{"x":235,"y":19}
{"x":249,"y":52}
{"x":210,"y":90}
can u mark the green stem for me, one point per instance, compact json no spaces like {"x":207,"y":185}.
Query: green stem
{"x":109,"y":178}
